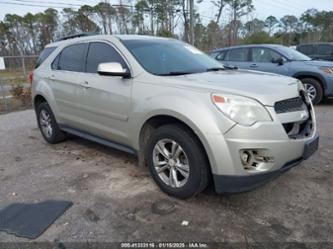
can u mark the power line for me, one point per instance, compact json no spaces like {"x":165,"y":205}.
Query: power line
{"x":282,"y":4}
{"x":83,"y":1}
{"x":35,"y":5}
{"x":275,"y":4}
{"x":293,"y":4}
{"x":57,"y":3}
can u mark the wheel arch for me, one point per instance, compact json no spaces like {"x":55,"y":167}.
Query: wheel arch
{"x":38,"y":99}
{"x":158,"y":120}
{"x":316,"y":76}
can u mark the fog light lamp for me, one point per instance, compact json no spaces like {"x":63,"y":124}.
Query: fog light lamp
{"x":245,"y":157}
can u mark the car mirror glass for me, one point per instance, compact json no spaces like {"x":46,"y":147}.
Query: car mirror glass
{"x":279,"y":61}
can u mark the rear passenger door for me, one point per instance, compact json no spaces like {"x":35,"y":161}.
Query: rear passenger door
{"x":68,"y":74}
{"x":107,"y":99}
{"x":237,"y":57}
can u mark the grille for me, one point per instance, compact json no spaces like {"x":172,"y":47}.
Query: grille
{"x":289,"y":105}
{"x":299,"y":129}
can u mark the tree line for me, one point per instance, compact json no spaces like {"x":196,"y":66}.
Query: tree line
{"x":231,"y":23}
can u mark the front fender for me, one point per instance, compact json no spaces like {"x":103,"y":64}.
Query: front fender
{"x":312,"y":74}
{"x":197,"y":112}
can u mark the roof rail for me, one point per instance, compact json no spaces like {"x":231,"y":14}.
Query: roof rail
{"x":78,"y":35}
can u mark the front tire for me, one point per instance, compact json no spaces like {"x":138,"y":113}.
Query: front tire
{"x":313,"y":89}
{"x":177,"y":161}
{"x":48,"y":125}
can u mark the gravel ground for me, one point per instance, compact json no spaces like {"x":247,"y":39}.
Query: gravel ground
{"x":115,"y":200}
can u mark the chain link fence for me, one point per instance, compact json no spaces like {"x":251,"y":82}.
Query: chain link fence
{"x":15,"y":89}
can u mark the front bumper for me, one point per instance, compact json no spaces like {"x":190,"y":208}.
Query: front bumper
{"x":243,"y":183}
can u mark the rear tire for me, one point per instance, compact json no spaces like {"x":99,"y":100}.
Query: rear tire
{"x":48,"y":125}
{"x":186,"y":171}
{"x":314,"y":89}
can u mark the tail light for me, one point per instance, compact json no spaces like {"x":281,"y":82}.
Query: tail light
{"x":31,"y":77}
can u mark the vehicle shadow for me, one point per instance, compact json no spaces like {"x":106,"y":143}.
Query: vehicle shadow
{"x":92,"y":149}
{"x":327,"y":101}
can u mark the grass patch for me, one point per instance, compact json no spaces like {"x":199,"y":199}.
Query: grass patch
{"x":20,"y":100}
{"x":12,"y":77}
{"x":13,"y":104}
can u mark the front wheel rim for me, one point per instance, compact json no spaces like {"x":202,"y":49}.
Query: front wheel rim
{"x":311,"y":91}
{"x":171,"y":163}
{"x":45,"y":123}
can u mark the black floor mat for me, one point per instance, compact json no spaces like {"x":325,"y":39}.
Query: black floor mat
{"x":31,"y":220}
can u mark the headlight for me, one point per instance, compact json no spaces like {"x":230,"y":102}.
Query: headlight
{"x":244,"y":111}
{"x":328,"y":70}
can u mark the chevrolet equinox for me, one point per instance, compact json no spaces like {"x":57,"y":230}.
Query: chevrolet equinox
{"x":190,"y":119}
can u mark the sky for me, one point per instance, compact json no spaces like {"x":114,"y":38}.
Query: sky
{"x":264,"y":8}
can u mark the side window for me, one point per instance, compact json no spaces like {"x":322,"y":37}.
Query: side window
{"x":55,"y":63}
{"x":240,"y":54}
{"x":306,"y":49}
{"x":214,"y":54}
{"x":325,"y":50}
{"x":264,"y":55}
{"x":43,"y":56}
{"x":100,"y":52}
{"x":220,"y":56}
{"x":73,"y":57}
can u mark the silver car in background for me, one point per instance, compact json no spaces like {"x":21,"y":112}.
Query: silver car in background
{"x":191,"y":120}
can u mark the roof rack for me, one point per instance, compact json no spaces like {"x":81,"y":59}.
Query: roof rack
{"x":78,"y":35}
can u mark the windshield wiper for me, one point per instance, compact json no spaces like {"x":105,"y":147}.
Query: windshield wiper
{"x":222,"y":68}
{"x":215,"y":69}
{"x":230,"y":67}
{"x":175,"y":73}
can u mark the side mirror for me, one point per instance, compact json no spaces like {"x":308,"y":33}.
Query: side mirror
{"x":112,"y":69}
{"x":279,"y":61}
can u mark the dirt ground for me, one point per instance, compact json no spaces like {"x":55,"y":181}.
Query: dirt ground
{"x":115,"y":200}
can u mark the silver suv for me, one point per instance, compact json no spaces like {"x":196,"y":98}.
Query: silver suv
{"x":191,"y":120}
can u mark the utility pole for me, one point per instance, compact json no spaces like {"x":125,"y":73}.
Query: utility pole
{"x":192,"y":21}
{"x":151,"y":21}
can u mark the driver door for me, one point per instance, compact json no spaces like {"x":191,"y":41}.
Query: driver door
{"x":263,"y":60}
{"x":106,"y":101}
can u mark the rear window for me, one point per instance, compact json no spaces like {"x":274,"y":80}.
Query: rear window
{"x":43,"y":56}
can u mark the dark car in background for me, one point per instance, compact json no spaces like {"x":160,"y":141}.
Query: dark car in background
{"x":317,"y":51}
{"x":317,"y":76}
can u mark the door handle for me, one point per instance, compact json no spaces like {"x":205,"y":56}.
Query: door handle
{"x":85,"y":84}
{"x":254,"y":66}
{"x":52,"y":77}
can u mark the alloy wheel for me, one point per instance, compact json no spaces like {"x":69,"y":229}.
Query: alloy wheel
{"x":311,"y":91}
{"x":45,"y":123}
{"x":171,"y":163}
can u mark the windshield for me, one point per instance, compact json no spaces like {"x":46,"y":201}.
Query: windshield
{"x":293,"y":55}
{"x":170,"y":57}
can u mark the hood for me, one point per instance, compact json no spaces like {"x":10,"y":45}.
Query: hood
{"x":265,"y":87}
{"x":319,"y":63}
